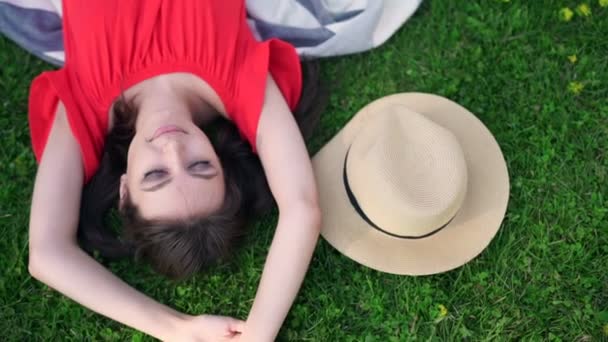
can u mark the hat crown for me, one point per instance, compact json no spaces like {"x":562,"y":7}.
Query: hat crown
{"x":407,"y":173}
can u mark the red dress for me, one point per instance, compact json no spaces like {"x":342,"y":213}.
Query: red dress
{"x":113,"y":44}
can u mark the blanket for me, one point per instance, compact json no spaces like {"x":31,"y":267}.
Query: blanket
{"x":317,"y":28}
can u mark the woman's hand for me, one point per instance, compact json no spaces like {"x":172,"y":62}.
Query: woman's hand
{"x":208,"y":328}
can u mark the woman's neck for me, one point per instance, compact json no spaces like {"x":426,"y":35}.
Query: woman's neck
{"x":171,"y":95}
{"x":178,"y":94}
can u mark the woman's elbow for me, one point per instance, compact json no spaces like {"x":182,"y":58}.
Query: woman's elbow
{"x":41,"y":260}
{"x":303,"y":210}
{"x":311,"y":213}
{"x":317,"y":218}
{"x":34,"y":266}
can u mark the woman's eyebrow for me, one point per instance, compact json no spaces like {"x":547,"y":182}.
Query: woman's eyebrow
{"x":203,"y":176}
{"x":158,"y":186}
{"x":167,"y":181}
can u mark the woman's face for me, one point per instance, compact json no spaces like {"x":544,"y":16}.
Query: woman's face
{"x":172,"y":171}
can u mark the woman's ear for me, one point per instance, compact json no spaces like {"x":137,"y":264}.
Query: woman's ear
{"x":122,"y":191}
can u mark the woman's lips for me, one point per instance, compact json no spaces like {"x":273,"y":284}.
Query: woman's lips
{"x":165,"y":130}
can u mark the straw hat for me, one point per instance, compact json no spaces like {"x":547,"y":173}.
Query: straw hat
{"x":414,"y":184}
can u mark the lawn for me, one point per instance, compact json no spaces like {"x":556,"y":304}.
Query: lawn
{"x":540,"y":84}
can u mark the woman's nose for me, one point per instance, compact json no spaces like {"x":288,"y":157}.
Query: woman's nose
{"x":173,"y":147}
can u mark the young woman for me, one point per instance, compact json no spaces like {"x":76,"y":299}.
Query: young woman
{"x":122,"y":124}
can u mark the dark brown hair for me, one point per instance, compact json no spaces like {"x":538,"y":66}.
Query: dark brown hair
{"x":180,"y":248}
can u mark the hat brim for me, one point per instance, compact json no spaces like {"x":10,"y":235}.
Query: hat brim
{"x":465,"y":237}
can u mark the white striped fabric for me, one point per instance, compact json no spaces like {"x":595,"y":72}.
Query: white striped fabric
{"x":317,"y":28}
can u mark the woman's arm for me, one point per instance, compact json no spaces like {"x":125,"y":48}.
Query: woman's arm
{"x":289,"y":172}
{"x":56,"y":260}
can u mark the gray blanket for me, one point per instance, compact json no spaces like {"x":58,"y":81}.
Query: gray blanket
{"x":317,"y":28}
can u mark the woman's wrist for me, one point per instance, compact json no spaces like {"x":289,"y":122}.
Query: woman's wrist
{"x":173,"y":325}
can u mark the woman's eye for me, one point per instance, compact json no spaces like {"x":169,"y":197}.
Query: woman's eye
{"x":200,"y":165}
{"x":154,"y":174}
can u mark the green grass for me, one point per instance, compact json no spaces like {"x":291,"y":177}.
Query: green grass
{"x":544,"y":276}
